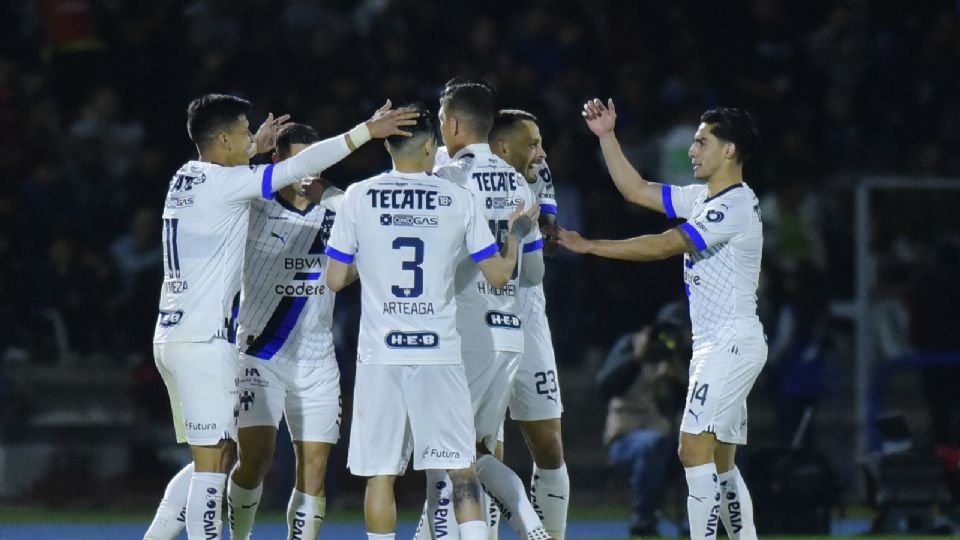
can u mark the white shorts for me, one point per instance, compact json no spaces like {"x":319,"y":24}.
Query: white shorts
{"x":309,"y":397}
{"x":201,"y":381}
{"x":536,"y":388}
{"x":717,"y":394}
{"x":399,"y":409}
{"x":490,"y":376}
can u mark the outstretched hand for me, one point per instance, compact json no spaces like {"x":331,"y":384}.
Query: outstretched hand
{"x":521,"y":223}
{"x":386,"y":121}
{"x":572,"y":241}
{"x":599,"y":118}
{"x":266,"y":137}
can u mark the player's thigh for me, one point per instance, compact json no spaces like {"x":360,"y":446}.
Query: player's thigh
{"x":709,"y":375}
{"x":731,"y":419}
{"x":490,"y":378}
{"x":204,"y":378}
{"x":263,"y":388}
{"x":313,"y":403}
{"x":440,"y":417}
{"x":380,"y":439}
{"x":536,"y":387}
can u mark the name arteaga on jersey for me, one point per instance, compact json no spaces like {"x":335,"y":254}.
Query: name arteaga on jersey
{"x":408,"y":308}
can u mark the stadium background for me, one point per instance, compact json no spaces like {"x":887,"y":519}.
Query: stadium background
{"x":92,"y":100}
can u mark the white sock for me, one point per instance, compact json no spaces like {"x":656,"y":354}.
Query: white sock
{"x":493,"y":517}
{"x":204,"y":501}
{"x":505,"y":486}
{"x":703,"y":501}
{"x":550,"y":495}
{"x":305,"y":515}
{"x":440,"y":516}
{"x":381,"y":536}
{"x":736,"y":508}
{"x":171,"y":514}
{"x":242,"y":505}
{"x":474,"y":530}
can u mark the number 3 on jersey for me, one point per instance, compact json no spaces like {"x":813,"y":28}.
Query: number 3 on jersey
{"x":410,"y":265}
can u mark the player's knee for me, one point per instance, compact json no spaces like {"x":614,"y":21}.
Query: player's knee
{"x":548,"y":454}
{"x":693,"y":454}
{"x":465,"y":485}
{"x":255,"y":460}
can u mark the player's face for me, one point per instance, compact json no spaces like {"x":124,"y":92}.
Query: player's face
{"x":446,"y":128}
{"x":239,"y":141}
{"x":523,"y":149}
{"x":534,"y":144}
{"x":706,"y":153}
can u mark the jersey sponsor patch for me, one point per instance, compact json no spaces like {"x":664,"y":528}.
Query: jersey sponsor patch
{"x":498,"y":319}
{"x":412,"y":340}
{"x":170,"y":318}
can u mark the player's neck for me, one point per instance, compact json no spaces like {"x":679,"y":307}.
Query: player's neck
{"x":213,"y":155}
{"x":453,"y":149}
{"x":294,"y":198}
{"x":723,"y":179}
{"x":410,"y":166}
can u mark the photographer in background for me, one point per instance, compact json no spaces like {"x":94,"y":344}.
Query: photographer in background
{"x":644,"y":377}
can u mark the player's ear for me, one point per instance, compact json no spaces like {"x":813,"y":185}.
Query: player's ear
{"x":729,"y":150}
{"x":274,"y":157}
{"x":386,"y":145}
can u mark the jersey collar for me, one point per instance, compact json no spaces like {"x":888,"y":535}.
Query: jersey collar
{"x":724,"y":190}
{"x":476,"y":148}
{"x":286,"y":204}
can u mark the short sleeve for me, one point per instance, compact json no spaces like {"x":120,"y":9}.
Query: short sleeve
{"x":342,"y":245}
{"x":246,"y":182}
{"x":678,"y":201}
{"x":545,"y":192}
{"x":533,"y":241}
{"x":479,"y":240}
{"x":716,"y":223}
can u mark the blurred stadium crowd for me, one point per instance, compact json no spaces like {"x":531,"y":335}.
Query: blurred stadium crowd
{"x":92,"y":124}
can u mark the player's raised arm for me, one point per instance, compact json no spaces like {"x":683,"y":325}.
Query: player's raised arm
{"x":322,"y":155}
{"x":498,"y":267}
{"x":601,"y":120}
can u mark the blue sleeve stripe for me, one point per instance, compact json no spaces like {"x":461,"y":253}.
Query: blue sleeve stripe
{"x":306,"y":276}
{"x":266,"y":188}
{"x":694,"y":235}
{"x":484,"y":253}
{"x":667,"y":195}
{"x":533,"y":246}
{"x":548,"y":209}
{"x":337,"y":255}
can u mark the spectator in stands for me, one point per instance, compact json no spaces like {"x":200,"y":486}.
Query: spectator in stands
{"x":644,"y":377}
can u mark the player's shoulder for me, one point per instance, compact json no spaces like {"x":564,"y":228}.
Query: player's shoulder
{"x":455,"y":172}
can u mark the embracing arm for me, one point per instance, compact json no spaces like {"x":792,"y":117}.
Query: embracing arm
{"x":649,"y":247}
{"x":339,"y":274}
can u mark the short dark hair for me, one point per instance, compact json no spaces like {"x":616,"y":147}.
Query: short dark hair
{"x":736,"y":126}
{"x":294,"y":133}
{"x":507,"y":119}
{"x":209,"y":114}
{"x":473,"y":103}
{"x":463,"y":79}
{"x":424,"y":129}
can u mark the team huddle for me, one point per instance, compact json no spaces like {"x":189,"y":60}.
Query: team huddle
{"x":448,"y":248}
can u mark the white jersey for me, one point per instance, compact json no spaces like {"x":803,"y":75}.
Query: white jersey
{"x":721,"y":277}
{"x":286,"y":310}
{"x":204,"y":232}
{"x":532,"y":299}
{"x":406,"y":232}
{"x":488,"y":318}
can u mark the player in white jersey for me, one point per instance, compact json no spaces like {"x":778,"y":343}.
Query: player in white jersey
{"x":287,"y":362}
{"x":402,"y":233}
{"x":535,"y":402}
{"x":721,"y":241}
{"x":488,"y":317}
{"x":204,"y":232}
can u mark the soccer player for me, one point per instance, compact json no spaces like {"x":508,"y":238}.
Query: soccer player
{"x":287,"y":362}
{"x":488,"y":317}
{"x":204,"y":232}
{"x":535,"y":402}
{"x":402,"y":233}
{"x":721,"y":243}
